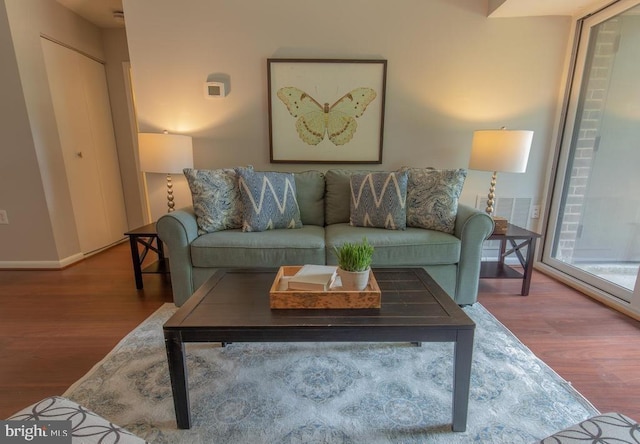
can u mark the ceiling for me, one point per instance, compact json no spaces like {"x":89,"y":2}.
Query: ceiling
{"x":100,"y":12}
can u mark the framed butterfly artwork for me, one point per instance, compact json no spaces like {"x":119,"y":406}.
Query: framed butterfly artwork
{"x":326,"y":110}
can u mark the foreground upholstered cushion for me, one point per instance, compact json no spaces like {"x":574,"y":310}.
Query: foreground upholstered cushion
{"x":608,"y":428}
{"x":216,"y":199}
{"x":432,"y":198}
{"x":86,"y":427}
{"x":378,"y":199}
{"x":269,"y":200}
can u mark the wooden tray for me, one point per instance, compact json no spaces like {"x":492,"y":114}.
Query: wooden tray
{"x":335,"y":298}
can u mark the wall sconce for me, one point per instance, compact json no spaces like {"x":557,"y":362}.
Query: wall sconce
{"x":165,"y":153}
{"x":500,"y":150}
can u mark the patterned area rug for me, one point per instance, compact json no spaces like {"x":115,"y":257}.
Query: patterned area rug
{"x":331,"y":392}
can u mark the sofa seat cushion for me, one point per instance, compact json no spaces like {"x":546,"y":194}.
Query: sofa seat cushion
{"x":272,"y":248}
{"x":410,"y":247}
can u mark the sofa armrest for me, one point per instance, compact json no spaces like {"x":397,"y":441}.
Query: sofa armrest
{"x":472,"y":227}
{"x":177,"y":230}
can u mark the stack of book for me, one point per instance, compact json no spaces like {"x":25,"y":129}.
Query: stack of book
{"x":313,"y":278}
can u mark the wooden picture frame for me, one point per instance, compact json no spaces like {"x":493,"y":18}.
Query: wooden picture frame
{"x":326,"y":110}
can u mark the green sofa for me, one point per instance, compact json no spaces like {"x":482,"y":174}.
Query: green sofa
{"x":453,"y":260}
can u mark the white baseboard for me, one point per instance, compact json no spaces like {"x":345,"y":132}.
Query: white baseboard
{"x":41,"y":265}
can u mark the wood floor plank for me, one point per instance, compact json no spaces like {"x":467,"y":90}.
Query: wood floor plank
{"x":56,"y":325}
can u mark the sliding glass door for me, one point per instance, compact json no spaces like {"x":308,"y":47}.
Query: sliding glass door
{"x":594,"y":230}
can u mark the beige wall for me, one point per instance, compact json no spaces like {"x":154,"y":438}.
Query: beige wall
{"x":451,"y":70}
{"x":21,"y":189}
{"x":34,"y":189}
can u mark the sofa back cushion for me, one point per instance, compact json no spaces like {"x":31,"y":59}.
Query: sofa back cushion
{"x":310,"y":193}
{"x":338,"y":196}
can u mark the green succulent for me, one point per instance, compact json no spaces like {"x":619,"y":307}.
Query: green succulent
{"x":356,"y":256}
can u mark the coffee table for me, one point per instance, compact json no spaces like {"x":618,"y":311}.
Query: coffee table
{"x":233,"y":306}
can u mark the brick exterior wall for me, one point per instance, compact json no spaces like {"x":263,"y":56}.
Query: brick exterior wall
{"x":593,"y":101}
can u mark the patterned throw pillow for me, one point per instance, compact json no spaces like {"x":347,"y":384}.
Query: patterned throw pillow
{"x":432,"y":198}
{"x":269,"y":201}
{"x":378,"y":199}
{"x":216,"y":198}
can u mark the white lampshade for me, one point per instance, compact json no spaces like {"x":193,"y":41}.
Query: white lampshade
{"x":500,"y":150}
{"x":164,"y":153}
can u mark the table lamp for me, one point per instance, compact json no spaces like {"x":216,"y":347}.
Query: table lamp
{"x":501,"y":150}
{"x":165,"y":153}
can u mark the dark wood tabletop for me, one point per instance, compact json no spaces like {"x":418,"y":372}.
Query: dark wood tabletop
{"x":239,"y":300}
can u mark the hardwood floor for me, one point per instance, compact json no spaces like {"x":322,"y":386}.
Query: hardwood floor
{"x":592,"y":346}
{"x":55,"y":325}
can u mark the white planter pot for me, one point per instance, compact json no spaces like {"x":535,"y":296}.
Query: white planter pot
{"x":354,"y":280}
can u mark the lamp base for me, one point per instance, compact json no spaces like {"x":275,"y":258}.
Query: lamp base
{"x":492,"y":194}
{"x":170,"y":203}
{"x":499,"y":223}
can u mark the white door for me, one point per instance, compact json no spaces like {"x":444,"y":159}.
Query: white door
{"x":83,"y":114}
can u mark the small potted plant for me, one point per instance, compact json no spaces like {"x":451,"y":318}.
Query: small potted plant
{"x":354,"y":264}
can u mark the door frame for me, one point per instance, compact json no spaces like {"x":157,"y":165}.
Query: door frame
{"x":595,"y":288}
{"x":133,"y":123}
